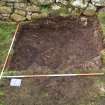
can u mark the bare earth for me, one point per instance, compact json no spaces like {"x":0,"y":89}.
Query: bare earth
{"x":55,"y":45}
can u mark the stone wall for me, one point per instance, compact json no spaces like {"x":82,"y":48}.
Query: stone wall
{"x":23,"y":10}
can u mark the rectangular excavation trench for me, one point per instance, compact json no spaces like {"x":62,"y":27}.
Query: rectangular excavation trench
{"x":51,"y":46}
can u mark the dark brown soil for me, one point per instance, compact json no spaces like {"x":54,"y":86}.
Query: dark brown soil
{"x":55,"y":45}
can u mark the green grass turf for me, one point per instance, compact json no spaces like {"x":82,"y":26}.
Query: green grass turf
{"x":6,"y":32}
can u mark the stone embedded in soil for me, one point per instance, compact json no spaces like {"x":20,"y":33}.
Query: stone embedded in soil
{"x":5,"y":10}
{"x":98,"y":2}
{"x":90,"y":10}
{"x":33,"y":8}
{"x":17,"y":17}
{"x":20,"y":12}
{"x":44,"y":2}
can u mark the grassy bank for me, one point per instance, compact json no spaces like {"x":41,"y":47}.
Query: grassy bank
{"x":6,"y":32}
{"x":101,"y":17}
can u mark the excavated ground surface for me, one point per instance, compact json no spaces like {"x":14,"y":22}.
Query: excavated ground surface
{"x":55,"y":45}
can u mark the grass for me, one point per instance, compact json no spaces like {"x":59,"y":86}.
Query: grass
{"x":100,"y":100}
{"x":101,"y":17}
{"x":2,"y":95}
{"x":6,"y":32}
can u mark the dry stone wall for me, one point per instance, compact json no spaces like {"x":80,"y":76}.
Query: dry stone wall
{"x":23,"y":10}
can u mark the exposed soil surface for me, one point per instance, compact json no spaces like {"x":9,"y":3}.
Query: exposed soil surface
{"x":55,"y":45}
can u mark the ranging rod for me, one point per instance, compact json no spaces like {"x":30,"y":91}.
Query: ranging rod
{"x":53,"y":75}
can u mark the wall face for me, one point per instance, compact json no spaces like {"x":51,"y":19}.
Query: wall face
{"x":22,"y":10}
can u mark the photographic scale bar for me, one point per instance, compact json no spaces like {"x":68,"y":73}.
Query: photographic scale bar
{"x":53,"y":75}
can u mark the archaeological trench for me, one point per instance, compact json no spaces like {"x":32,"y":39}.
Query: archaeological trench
{"x":53,"y":42}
